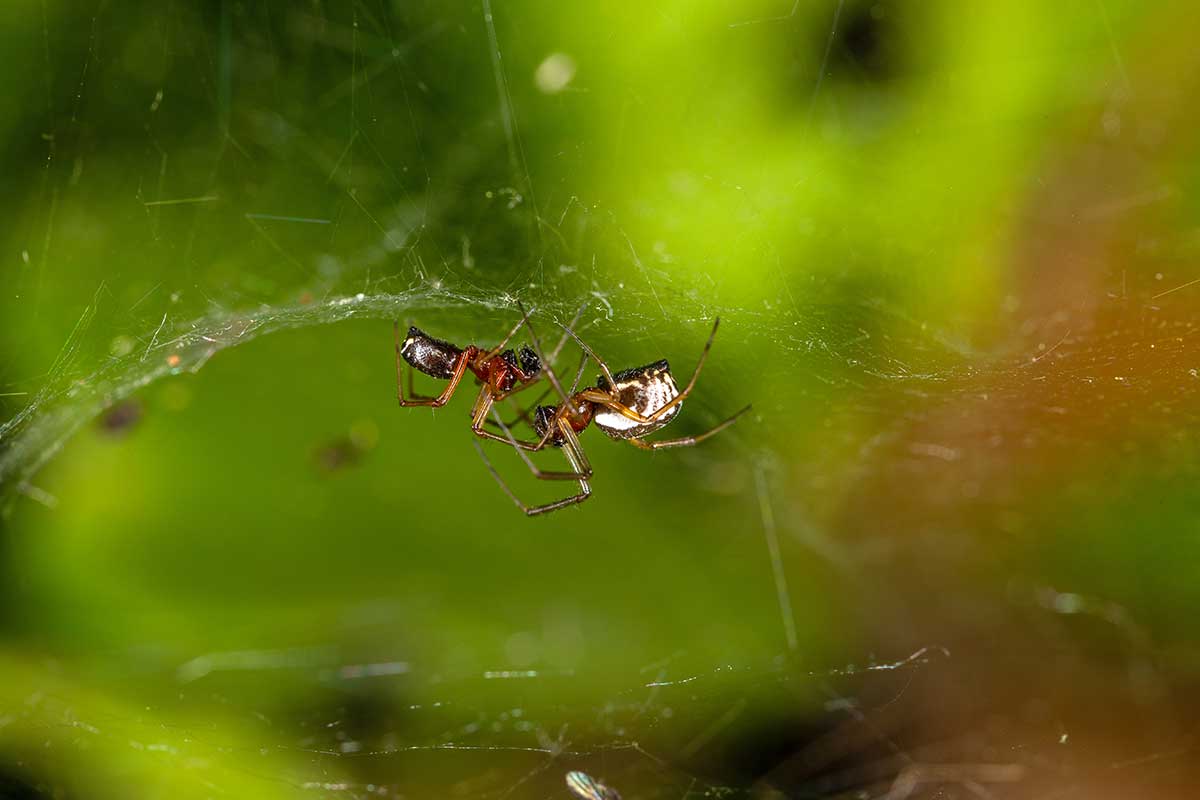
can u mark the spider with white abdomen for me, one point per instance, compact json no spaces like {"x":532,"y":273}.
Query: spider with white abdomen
{"x":628,"y":405}
{"x":585,"y":787}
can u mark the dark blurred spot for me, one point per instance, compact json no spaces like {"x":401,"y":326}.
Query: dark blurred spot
{"x":800,"y":734}
{"x":732,"y":736}
{"x":338,"y":454}
{"x":846,"y":60}
{"x":346,"y":450}
{"x":748,"y":749}
{"x":121,"y":418}
{"x":358,"y":720}
{"x":867,"y":44}
{"x":14,"y":786}
{"x":365,"y":717}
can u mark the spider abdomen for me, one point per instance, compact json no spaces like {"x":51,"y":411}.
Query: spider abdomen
{"x":434,"y":357}
{"x":644,"y":390}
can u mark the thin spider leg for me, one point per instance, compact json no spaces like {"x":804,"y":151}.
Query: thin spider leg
{"x":571,"y":326}
{"x":546,"y":366}
{"x":579,"y":373}
{"x":447,"y":393}
{"x":520,"y":444}
{"x":584,"y":494}
{"x":609,"y":400}
{"x":590,"y":352}
{"x":687,"y":441}
{"x":699,"y":363}
{"x":578,"y":460}
{"x":460,"y":367}
{"x":522,"y":413}
{"x":510,"y":334}
{"x":496,"y":475}
{"x":483,"y":405}
{"x":412,"y":392}
{"x":574,"y":450}
{"x":543,"y":474}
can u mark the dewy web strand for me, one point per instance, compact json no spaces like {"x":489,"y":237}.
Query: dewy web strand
{"x":69,"y":400}
{"x":71,"y":395}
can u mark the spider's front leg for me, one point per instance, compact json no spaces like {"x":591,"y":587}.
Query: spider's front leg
{"x":485,"y":404}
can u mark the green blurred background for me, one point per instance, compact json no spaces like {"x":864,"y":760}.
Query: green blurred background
{"x":952,"y":552}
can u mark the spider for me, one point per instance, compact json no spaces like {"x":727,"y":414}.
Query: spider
{"x":585,"y":787}
{"x":628,"y":406}
{"x":501,"y":372}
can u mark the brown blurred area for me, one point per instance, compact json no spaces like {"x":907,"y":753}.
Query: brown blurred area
{"x":982,"y":498}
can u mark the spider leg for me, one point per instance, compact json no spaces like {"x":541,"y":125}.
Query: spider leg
{"x":570,"y":327}
{"x":522,"y":321}
{"x":485,"y":403}
{"x":523,"y":413}
{"x":583,"y":471}
{"x":687,"y":441}
{"x":546,"y":366}
{"x":592,"y":353}
{"x":696,"y":372}
{"x":520,"y":444}
{"x":460,"y":367}
{"x":574,"y":455}
{"x":412,"y":392}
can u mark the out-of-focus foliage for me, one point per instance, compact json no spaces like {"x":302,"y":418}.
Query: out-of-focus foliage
{"x":953,"y":250}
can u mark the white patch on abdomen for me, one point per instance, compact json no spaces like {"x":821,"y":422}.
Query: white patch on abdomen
{"x":615,"y":421}
{"x":645,"y":396}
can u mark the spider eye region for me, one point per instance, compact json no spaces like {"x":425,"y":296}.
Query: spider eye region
{"x":434,"y":357}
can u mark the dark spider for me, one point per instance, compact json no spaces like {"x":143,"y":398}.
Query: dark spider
{"x":627,"y":406}
{"x":500,"y":372}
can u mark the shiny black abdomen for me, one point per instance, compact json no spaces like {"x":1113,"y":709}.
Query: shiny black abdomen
{"x":431,"y":356}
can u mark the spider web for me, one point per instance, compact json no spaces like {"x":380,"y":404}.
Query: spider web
{"x":870,"y":646}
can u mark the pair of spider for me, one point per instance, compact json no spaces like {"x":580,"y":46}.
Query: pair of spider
{"x":627,"y":405}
